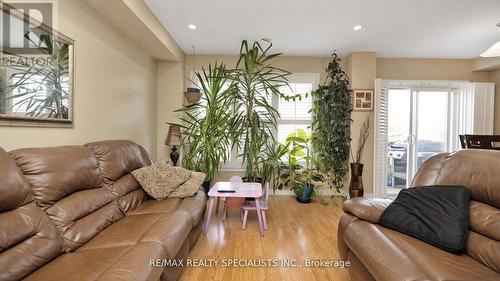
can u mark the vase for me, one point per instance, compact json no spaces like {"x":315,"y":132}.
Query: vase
{"x":356,"y":184}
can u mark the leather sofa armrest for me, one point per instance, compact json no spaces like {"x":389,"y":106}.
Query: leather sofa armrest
{"x":368,"y":209}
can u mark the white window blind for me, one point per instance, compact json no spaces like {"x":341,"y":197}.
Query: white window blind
{"x":299,"y":109}
{"x":484,"y":101}
{"x":380,"y":138}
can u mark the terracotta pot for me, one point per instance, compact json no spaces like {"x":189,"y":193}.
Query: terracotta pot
{"x":192,"y":95}
{"x":356,"y":184}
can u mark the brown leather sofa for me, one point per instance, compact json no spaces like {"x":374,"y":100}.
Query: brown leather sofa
{"x":76,"y":213}
{"x":378,"y":253}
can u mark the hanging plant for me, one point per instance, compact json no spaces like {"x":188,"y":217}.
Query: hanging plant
{"x":331,"y":124}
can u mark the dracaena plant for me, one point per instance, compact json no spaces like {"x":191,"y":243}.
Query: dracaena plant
{"x":206,"y":125}
{"x":42,"y":90}
{"x":256,"y":82}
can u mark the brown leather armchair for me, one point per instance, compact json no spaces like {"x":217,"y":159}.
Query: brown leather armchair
{"x":76,"y":213}
{"x":378,"y":253}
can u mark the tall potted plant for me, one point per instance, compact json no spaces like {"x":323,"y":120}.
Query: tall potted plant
{"x":332,"y":123}
{"x":206,"y":125}
{"x":256,"y":82}
{"x":356,"y":184}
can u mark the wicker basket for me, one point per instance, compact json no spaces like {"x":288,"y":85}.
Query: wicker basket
{"x":192,"y":95}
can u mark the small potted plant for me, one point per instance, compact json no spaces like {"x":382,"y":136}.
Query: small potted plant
{"x":299,"y":170}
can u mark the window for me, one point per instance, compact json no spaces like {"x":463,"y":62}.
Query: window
{"x":295,"y":114}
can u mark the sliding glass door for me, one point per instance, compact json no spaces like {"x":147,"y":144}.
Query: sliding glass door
{"x":417,"y":119}
{"x":418,"y":127}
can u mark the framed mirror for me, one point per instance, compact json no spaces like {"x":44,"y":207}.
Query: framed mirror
{"x":36,"y":72}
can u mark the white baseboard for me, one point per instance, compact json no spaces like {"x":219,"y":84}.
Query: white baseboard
{"x":323,"y":192}
{"x":366,"y":194}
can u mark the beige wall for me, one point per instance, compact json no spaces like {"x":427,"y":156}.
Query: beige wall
{"x":170,"y":98}
{"x":115,"y":88}
{"x":290,"y":63}
{"x":361,"y":69}
{"x":495,"y":78}
{"x":429,"y":69}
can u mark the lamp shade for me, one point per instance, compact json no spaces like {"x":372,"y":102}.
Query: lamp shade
{"x":174,"y":136}
{"x":493,"y":51}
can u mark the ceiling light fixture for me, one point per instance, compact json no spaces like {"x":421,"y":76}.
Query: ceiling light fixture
{"x":192,"y":26}
{"x":493,"y":51}
{"x":357,"y":27}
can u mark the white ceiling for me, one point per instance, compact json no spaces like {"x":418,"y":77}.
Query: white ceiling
{"x":392,"y":28}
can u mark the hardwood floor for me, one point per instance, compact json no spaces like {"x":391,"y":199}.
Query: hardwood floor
{"x":295,"y":232}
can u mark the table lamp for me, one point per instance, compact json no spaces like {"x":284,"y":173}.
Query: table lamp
{"x":173,"y":139}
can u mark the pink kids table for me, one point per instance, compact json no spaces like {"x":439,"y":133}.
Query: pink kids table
{"x":243,"y":190}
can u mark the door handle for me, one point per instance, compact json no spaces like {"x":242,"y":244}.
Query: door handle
{"x":411,"y":139}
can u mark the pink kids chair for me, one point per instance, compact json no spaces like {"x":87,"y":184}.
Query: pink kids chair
{"x":234,"y":203}
{"x":250,"y":205}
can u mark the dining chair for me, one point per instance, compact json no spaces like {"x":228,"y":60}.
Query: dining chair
{"x":491,"y":142}
{"x":233,"y":203}
{"x":250,"y":205}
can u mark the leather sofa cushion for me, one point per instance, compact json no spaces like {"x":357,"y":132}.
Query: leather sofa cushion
{"x":485,"y":219}
{"x":154,"y":206}
{"x":118,"y":158}
{"x":131,"y":262}
{"x":57,"y":172}
{"x":166,"y":229}
{"x":67,"y":184}
{"x":390,"y":255}
{"x":475,"y":169}
{"x":129,"y":193}
{"x":368,"y":209}
{"x":194,"y":205}
{"x":15,"y":189}
{"x":28,"y":239}
{"x":483,"y":249}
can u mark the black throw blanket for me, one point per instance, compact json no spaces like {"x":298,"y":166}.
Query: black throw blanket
{"x":438,"y":215}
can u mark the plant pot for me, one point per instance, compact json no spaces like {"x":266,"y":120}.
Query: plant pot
{"x":259,"y":180}
{"x":206,"y":186}
{"x":307,"y":193}
{"x":192,"y":95}
{"x":356,"y":184}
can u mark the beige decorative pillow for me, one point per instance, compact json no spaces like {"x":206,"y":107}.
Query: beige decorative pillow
{"x":162,"y":180}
